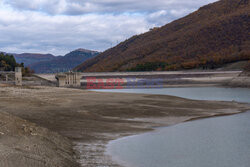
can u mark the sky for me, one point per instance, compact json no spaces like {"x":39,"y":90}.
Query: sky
{"x":60,"y":26}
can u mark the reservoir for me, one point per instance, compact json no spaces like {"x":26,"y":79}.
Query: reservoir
{"x":219,"y":141}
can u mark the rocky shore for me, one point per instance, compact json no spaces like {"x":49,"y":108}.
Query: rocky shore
{"x":24,"y":144}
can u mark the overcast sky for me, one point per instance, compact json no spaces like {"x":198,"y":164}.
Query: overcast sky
{"x":60,"y":26}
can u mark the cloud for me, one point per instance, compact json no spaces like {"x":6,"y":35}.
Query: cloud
{"x":78,"y":7}
{"x":59,"y":26}
{"x":35,"y":32}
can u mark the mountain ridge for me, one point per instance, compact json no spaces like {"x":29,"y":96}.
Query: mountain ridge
{"x":64,"y":63}
{"x":31,"y":58}
{"x":48,"y":63}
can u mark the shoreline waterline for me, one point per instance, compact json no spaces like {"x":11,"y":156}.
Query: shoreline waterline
{"x":240,"y":95}
{"x":125,"y":163}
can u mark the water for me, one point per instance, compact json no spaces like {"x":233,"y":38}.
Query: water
{"x":196,"y":93}
{"x":219,"y":142}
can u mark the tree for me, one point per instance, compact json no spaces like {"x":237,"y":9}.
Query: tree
{"x":8,"y":62}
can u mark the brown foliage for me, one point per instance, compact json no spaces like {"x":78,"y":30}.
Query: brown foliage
{"x":216,"y":34}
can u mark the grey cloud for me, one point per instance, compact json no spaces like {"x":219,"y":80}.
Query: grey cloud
{"x":58,"y":26}
{"x":78,"y":7}
{"x":33,"y":32}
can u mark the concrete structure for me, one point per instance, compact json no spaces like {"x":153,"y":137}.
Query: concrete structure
{"x":7,"y":77}
{"x":68,"y":79}
{"x":128,"y":79}
{"x":18,"y":76}
{"x":11,"y":77}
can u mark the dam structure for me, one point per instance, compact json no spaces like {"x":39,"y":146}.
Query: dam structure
{"x":12,"y":77}
{"x":168,"y":78}
{"x":68,"y":79}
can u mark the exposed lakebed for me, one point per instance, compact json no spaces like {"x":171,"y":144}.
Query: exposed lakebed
{"x":196,"y":93}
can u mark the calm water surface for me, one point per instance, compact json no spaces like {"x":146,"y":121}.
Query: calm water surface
{"x":213,"y":142}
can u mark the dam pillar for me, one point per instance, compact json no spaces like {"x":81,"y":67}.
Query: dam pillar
{"x":61,"y":80}
{"x":18,"y":76}
{"x":68,"y":79}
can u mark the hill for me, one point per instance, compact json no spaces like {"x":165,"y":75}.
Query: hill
{"x":31,"y":58}
{"x":63,"y":63}
{"x":216,"y":34}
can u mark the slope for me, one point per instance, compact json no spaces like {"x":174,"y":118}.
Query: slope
{"x":216,"y":34}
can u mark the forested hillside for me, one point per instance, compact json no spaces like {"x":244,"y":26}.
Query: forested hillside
{"x":214,"y":35}
{"x":7,"y":62}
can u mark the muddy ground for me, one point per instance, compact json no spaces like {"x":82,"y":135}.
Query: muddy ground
{"x":85,"y":121}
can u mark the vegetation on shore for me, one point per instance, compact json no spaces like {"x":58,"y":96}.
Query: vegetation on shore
{"x":8,"y":63}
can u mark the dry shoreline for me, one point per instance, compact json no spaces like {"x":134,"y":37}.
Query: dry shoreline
{"x":91,"y":119}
